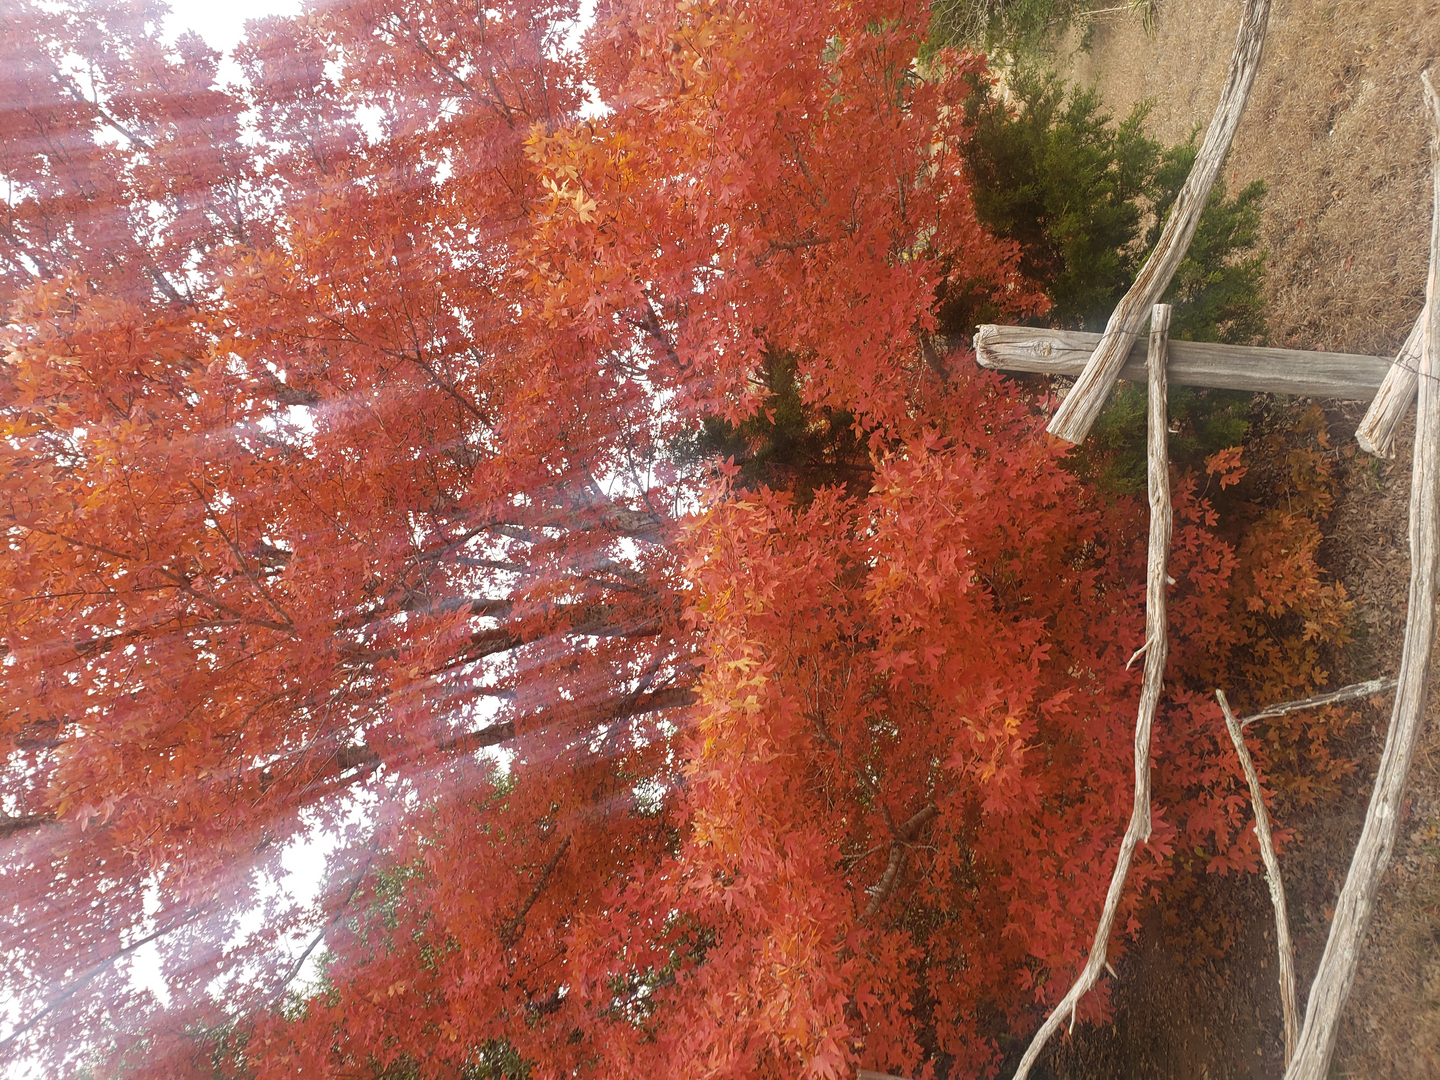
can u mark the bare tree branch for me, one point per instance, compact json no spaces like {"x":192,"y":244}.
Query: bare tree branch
{"x":1333,"y":697}
{"x":881,"y":890}
{"x":327,"y":927}
{"x":96,"y":971}
{"x":1283,"y":947}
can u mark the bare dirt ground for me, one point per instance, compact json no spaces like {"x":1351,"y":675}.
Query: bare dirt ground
{"x":1335,"y":127}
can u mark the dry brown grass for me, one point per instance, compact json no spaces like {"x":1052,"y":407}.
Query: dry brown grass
{"x":1334,"y":127}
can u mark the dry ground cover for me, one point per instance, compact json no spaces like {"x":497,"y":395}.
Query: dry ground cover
{"x":1335,"y":128}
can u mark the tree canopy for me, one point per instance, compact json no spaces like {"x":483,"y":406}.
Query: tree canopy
{"x":349,"y":489}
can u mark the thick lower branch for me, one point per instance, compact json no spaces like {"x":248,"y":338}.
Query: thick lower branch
{"x":1376,"y":433}
{"x":10,"y":825}
{"x":880,"y":892}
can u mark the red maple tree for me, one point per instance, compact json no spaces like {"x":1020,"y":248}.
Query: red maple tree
{"x":340,"y":416}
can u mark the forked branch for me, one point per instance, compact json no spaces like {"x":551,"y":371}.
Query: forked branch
{"x":898,"y":843}
{"x":1272,"y":876}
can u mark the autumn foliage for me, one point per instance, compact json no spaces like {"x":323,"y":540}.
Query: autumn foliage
{"x":342,"y":499}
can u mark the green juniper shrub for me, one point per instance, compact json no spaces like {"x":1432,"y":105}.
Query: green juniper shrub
{"x":1057,"y":176}
{"x":1216,"y":293}
{"x":786,"y":444}
{"x":1085,"y":198}
{"x":1013,"y":26}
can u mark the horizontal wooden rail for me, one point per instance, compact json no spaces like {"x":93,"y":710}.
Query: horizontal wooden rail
{"x":1192,"y":363}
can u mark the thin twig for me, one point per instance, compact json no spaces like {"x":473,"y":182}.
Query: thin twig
{"x":1158,"y":479}
{"x":1137,"y":655}
{"x":1081,"y":16}
{"x":1333,"y":697}
{"x":325,"y":929}
{"x":1283,"y":947}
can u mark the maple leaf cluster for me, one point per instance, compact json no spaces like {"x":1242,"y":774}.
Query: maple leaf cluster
{"x":340,"y":502}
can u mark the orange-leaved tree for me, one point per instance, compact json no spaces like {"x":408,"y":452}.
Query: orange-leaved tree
{"x":346,"y":503}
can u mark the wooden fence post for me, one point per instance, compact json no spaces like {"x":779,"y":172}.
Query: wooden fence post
{"x":1156,"y":650}
{"x":1353,"y":908}
{"x":1376,"y":433}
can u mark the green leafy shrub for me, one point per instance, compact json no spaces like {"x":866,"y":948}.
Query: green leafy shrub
{"x":1085,"y":198}
{"x":1021,"y":26}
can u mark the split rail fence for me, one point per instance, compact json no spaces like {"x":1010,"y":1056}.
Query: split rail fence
{"x":1098,"y":360}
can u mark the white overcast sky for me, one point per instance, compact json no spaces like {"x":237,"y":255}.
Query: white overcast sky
{"x":222,"y":24}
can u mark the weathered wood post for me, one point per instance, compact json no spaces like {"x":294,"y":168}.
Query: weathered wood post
{"x":1356,"y":902}
{"x":1192,"y":363}
{"x":1376,"y":433}
{"x":1156,"y":650}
